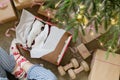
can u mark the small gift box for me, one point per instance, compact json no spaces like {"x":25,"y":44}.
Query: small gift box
{"x":6,"y":11}
{"x":83,"y":51}
{"x":20,"y":4}
{"x":42,"y":39}
{"x":105,"y":69}
{"x":47,"y":12}
{"x":91,"y":34}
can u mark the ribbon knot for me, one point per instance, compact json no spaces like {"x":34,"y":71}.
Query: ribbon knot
{"x":4,"y":4}
{"x":90,"y":28}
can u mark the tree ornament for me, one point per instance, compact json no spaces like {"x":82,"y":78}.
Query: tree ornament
{"x":82,"y":6}
{"x":82,"y":9}
{"x":113,"y":21}
{"x":79,"y":17}
{"x":85,"y":20}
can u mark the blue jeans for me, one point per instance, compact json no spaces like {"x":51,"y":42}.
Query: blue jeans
{"x":36,"y":72}
{"x":7,"y":63}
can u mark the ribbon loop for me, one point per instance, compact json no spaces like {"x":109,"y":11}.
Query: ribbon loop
{"x":4,"y":4}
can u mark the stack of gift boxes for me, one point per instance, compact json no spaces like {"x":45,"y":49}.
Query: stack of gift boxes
{"x":101,"y":68}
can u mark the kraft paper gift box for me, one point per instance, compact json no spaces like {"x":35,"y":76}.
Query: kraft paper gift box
{"x":91,"y":34}
{"x":6,"y":11}
{"x":47,"y":12}
{"x":83,"y":51}
{"x":55,"y":56}
{"x":20,"y":4}
{"x":105,"y":69}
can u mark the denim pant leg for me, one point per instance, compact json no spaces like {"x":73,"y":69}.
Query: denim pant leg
{"x":40,"y":73}
{"x":7,"y":62}
{"x":2,"y":72}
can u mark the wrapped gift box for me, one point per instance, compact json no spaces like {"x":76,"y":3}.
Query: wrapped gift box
{"x":20,"y":4}
{"x":91,"y":34}
{"x":54,"y":56}
{"x":105,"y":69}
{"x":83,"y":51}
{"x":6,"y":11}
{"x":47,"y":12}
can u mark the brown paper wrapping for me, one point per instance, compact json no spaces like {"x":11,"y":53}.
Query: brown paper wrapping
{"x":83,"y":51}
{"x":20,"y":4}
{"x":91,"y":34}
{"x":105,"y":69}
{"x":47,"y":12}
{"x":7,"y":13}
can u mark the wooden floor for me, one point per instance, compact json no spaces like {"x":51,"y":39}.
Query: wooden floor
{"x":6,"y":41}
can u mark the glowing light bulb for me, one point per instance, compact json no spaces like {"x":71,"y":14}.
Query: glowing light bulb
{"x":98,"y":13}
{"x":48,"y":14}
{"x":101,"y":43}
{"x":79,"y":16}
{"x":113,"y":21}
{"x":42,"y":7}
{"x":92,"y":33}
{"x":100,"y":5}
{"x":95,"y":16}
{"x":82,"y":6}
{"x":84,"y":27}
{"x":110,"y":47}
{"x":63,"y":22}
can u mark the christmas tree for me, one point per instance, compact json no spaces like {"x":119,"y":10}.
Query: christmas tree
{"x":79,"y":14}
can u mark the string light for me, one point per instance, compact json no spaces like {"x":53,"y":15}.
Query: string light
{"x":82,"y":6}
{"x":98,"y":13}
{"x":63,"y":22}
{"x":92,"y":33}
{"x":109,"y":47}
{"x":84,"y":27}
{"x":48,"y":13}
{"x":79,"y":17}
{"x":101,"y":43}
{"x":113,"y":21}
{"x":95,"y":16}
{"x":100,"y":5}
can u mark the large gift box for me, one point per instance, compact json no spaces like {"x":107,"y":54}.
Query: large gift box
{"x":91,"y":34}
{"x":6,"y":11}
{"x":105,"y":69}
{"x":47,"y":12}
{"x":42,"y":39}
{"x":20,"y":4}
